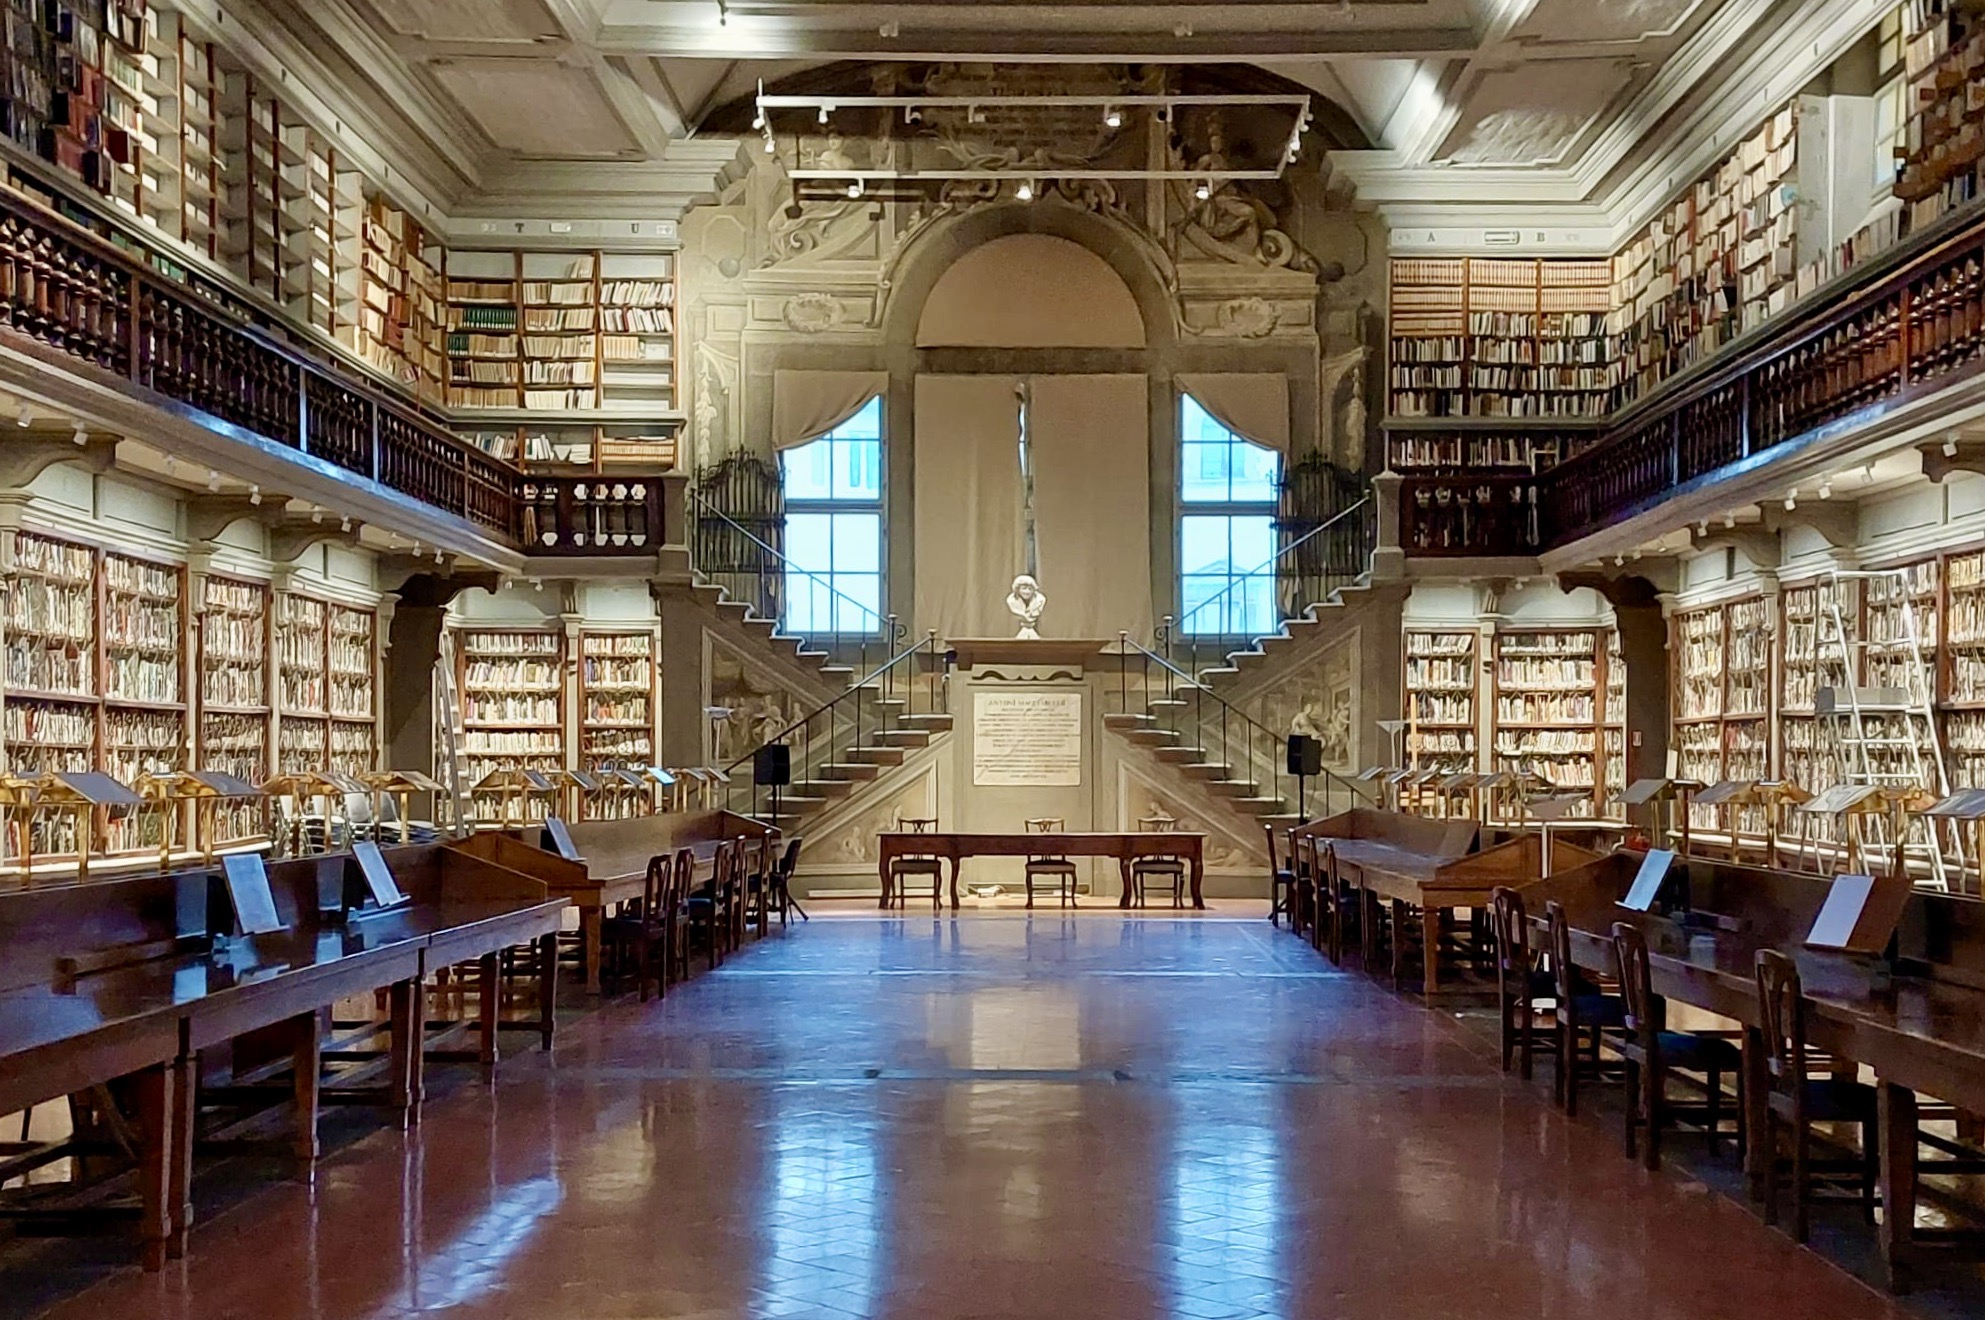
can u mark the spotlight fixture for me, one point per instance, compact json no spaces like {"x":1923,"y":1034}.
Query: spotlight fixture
{"x":1637,"y":554}
{"x":537,"y":584}
{"x":1204,"y":190}
{"x":825,"y":110}
{"x":770,"y":145}
{"x":344,"y":524}
{"x":854,"y":188}
{"x":1619,"y":561}
{"x":1826,"y":488}
{"x":758,"y":120}
{"x":82,"y":435}
{"x":317,"y":517}
{"x":1868,"y":473}
{"x":1729,"y":521}
{"x":723,"y":14}
{"x":25,"y":417}
{"x":890,"y":30}
{"x":1025,"y":192}
{"x":213,"y":480}
{"x":1182,"y":30}
{"x":437,"y":556}
{"x":1702,"y":528}
{"x":1792,"y":499}
{"x":255,"y":495}
{"x":416,"y":550}
{"x":1112,"y":117}
{"x":1950,"y":443}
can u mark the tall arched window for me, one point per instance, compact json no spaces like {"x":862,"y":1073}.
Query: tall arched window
{"x":1228,"y":487}
{"x":833,"y":489}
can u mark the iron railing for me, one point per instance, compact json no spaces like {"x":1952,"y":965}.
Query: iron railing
{"x":794,"y":598}
{"x":1211,"y":736}
{"x":1303,"y":573}
{"x":852,"y":736}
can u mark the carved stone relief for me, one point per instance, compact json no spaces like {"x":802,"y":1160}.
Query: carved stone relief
{"x":1322,"y":697}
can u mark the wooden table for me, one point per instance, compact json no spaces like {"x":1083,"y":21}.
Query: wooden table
{"x":1433,"y":866}
{"x":613,"y":864}
{"x":1125,"y":847}
{"x":1925,"y":1032}
{"x":123,"y":978}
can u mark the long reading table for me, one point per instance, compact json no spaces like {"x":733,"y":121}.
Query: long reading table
{"x":1921,"y":1028}
{"x":134,"y":978}
{"x":1125,"y":847}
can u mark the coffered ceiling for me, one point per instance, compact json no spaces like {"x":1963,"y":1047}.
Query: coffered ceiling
{"x":531,"y":97}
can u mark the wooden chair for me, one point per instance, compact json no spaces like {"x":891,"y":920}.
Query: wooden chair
{"x":1281,"y":884}
{"x":1651,"y":1052}
{"x":758,"y":883}
{"x":1306,"y":894}
{"x":1144,"y":870}
{"x":925,"y":865}
{"x":1579,"y":1007}
{"x":641,"y":935}
{"x":708,"y":906}
{"x":782,"y":882}
{"x":1060,"y":869}
{"x":1797,"y":1101}
{"x":740,"y":889}
{"x":682,"y":882}
{"x":1520,"y":981}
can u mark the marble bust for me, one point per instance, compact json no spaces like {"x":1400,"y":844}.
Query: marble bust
{"x":1026,"y":601}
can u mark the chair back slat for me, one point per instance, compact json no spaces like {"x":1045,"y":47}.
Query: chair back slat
{"x":1636,"y":978}
{"x":655,"y":887}
{"x":1511,"y":927}
{"x":1274,"y":861}
{"x":685,"y":877}
{"x":1561,"y":965}
{"x":1781,"y":1010}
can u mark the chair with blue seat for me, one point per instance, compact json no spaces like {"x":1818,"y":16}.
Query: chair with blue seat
{"x":1281,"y":883}
{"x":1797,"y":1101}
{"x":1651,"y":1052}
{"x":1584,"y":1013}
{"x":1520,"y":980}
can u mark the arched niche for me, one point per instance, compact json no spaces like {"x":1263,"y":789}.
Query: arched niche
{"x":1030,"y":291}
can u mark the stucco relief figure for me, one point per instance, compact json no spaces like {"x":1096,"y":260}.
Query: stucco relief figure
{"x":1307,"y":722}
{"x":1231,"y":223}
{"x":1026,"y":601}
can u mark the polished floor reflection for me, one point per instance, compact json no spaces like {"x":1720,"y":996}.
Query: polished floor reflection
{"x":997,"y":1116}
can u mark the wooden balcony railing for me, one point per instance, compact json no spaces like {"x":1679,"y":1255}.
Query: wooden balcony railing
{"x":1900,"y":329}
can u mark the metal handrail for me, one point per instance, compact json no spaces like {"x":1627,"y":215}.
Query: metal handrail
{"x":1275,"y":559}
{"x":1175,"y":678}
{"x":786,"y":564}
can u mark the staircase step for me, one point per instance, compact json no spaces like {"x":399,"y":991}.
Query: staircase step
{"x":876,"y":755}
{"x":850,"y":770}
{"x":1179,"y":755}
{"x":836,"y":671}
{"x":1132,"y":720}
{"x":937,"y":722}
{"x":1168,"y":703}
{"x":1233,"y":788}
{"x":1259,"y":806}
{"x":1153,"y":737}
{"x":1209,"y":677}
{"x":821,"y":788}
{"x":904,"y":737}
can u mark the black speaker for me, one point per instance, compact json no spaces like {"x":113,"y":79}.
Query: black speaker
{"x":1305,"y":755}
{"x":772,"y":766}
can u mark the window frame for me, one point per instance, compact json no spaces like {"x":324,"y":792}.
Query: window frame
{"x":1230,"y":510}
{"x":873,"y":619}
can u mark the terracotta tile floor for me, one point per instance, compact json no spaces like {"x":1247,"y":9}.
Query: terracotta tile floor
{"x":997,"y":1117}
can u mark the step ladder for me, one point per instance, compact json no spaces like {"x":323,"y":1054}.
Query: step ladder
{"x":448,"y":738}
{"x":1883,"y":735}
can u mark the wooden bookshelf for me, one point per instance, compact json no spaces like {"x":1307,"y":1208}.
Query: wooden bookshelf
{"x":1500,"y":337}
{"x":327,"y":685}
{"x":617,"y":695}
{"x":512,"y":685}
{"x":402,"y":316}
{"x":50,"y":714}
{"x":233,"y":665}
{"x":1547,"y":705}
{"x":144,"y":708}
{"x":1442,"y":681}
{"x":1942,"y":151}
{"x":1613,"y":729}
{"x":352,"y":663}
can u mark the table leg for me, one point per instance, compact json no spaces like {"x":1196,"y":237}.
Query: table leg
{"x":486,"y":1005}
{"x":307,"y":1066}
{"x":1123,"y":881}
{"x":1430,"y":937}
{"x":155,"y":1126}
{"x":185,"y":1107}
{"x":1198,"y":879}
{"x":1757,"y":1099}
{"x":1898,"y":1178}
{"x":882,"y":872}
{"x":954,"y":884}
{"x":589,"y":943}
{"x":548,"y":988}
{"x":404,"y":1028}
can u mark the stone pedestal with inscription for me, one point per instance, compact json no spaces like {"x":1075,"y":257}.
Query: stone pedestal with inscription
{"x":1029,"y":714}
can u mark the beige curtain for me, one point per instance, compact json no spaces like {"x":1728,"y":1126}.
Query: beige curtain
{"x":1092,"y":504}
{"x":967,"y":492}
{"x":808,"y":404}
{"x":1254,"y":405}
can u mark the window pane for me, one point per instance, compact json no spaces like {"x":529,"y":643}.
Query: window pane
{"x":857,"y":469}
{"x":864,"y":425}
{"x":810,"y":541}
{"x":1203,"y":545}
{"x":807,"y":470}
{"x":1257,"y":471}
{"x":1253,"y":541}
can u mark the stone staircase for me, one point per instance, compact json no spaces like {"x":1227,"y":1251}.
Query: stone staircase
{"x":1236,"y":669}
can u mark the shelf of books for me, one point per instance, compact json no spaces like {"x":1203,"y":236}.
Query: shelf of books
{"x":1441,"y":685}
{"x":617,"y":721}
{"x":327,"y":684}
{"x":51,"y":702}
{"x":353,"y":657}
{"x":1500,"y":337}
{"x":512,"y":686}
{"x":1547,"y":717}
{"x":562,"y":332}
{"x":144,"y":708}
{"x":234,"y":698}
{"x":1722,"y":700}
{"x":1940,"y":151}
{"x":402,"y":327}
{"x":1613,"y":728}
{"x":1964,"y":669}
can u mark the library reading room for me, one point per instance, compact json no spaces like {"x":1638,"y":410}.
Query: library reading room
{"x":740,"y":659}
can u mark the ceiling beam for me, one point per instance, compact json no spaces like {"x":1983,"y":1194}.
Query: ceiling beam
{"x":767,"y":39}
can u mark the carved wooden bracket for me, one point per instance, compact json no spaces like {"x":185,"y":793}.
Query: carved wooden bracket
{"x":1836,"y":523}
{"x":25,"y":455}
{"x":420,"y":583}
{"x":1970,"y":457}
{"x":1760,"y":546}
